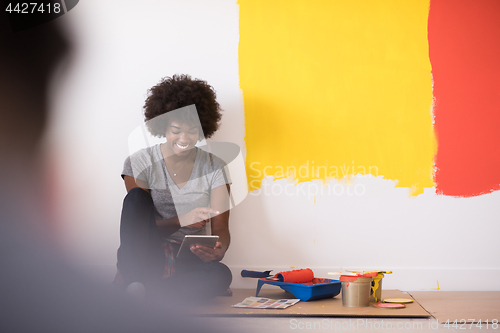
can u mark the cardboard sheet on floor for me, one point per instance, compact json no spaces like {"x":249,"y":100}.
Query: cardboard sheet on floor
{"x":463,"y":306}
{"x":330,"y":307}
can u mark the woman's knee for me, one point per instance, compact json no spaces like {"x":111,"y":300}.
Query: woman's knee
{"x":137,"y":194}
{"x":138,"y":199}
{"x":138,"y":207}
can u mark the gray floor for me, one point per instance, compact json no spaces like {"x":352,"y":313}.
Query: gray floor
{"x":277,"y":325}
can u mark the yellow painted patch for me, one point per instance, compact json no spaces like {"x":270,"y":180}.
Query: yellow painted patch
{"x":337,"y":88}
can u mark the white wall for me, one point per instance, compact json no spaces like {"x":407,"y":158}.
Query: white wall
{"x":124,"y":47}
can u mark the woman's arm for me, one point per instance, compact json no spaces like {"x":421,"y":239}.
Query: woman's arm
{"x":131,"y":182}
{"x":220,"y":223}
{"x":219,"y":200}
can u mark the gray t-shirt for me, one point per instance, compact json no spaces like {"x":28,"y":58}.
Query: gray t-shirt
{"x":209,"y":172}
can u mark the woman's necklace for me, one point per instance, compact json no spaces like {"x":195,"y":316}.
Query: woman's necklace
{"x":175,"y":173}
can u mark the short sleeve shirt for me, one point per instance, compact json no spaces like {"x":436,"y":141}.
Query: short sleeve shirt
{"x":209,"y":172}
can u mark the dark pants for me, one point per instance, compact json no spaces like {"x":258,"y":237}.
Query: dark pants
{"x":141,"y":257}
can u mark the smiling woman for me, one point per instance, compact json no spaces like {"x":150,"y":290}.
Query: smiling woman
{"x":175,"y":189}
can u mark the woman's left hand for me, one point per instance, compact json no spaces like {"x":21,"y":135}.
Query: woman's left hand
{"x":208,"y":254}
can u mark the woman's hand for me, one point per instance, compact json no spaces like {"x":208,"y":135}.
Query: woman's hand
{"x":198,"y":225}
{"x":208,"y":254}
{"x":197,"y":218}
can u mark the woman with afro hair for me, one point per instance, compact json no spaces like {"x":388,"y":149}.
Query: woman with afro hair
{"x":175,"y":189}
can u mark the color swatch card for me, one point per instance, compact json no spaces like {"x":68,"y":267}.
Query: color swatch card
{"x":266,"y":303}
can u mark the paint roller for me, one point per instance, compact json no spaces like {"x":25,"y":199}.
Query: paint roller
{"x":294,"y":276}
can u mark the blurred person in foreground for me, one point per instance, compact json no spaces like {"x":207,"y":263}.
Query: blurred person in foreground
{"x":39,"y":291}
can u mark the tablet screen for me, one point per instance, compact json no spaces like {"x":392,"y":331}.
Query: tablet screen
{"x":190,"y":240}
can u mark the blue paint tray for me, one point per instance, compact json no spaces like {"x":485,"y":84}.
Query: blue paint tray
{"x":319,"y":288}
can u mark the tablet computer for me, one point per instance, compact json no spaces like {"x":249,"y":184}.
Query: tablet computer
{"x":191,"y":240}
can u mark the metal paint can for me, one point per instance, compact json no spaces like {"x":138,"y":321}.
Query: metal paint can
{"x":376,"y":292}
{"x":356,"y":290}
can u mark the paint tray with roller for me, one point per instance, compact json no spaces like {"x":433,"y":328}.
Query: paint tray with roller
{"x":303,"y":285}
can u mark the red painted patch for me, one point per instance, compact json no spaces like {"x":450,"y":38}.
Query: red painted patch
{"x":464,"y":50}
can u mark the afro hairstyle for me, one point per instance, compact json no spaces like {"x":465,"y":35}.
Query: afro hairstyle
{"x":179,"y":91}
